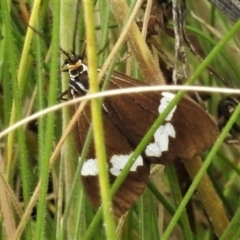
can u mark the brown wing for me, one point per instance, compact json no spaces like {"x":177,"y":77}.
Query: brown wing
{"x":195,"y":130}
{"x":116,"y":144}
{"x":126,"y":120}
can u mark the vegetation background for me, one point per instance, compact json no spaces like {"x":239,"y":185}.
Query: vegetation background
{"x":41,"y":195}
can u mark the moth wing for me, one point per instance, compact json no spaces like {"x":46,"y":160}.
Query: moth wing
{"x":116,"y":145}
{"x":194,"y":130}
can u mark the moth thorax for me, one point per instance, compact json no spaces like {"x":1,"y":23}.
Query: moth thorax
{"x":73,"y":73}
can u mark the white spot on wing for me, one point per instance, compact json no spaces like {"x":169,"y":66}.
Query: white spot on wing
{"x":119,"y":162}
{"x":161,"y":136}
{"x":165,"y":100}
{"x":90,"y":168}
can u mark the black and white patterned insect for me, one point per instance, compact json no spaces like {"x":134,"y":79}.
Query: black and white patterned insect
{"x":78,"y":75}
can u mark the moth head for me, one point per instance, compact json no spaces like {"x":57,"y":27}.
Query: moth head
{"x":72,"y":62}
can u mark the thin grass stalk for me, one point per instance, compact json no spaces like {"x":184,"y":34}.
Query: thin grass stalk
{"x":20,"y":80}
{"x":104,"y":9}
{"x":68,"y":23}
{"x":232,"y":231}
{"x":232,"y":179}
{"x":7,"y":211}
{"x":77,"y":189}
{"x":76,"y":185}
{"x":5,"y":75}
{"x":177,"y":197}
{"x":59,"y":214}
{"x":146,"y":215}
{"x":40,"y":103}
{"x":161,"y":198}
{"x":27,"y":212}
{"x":44,"y":171}
{"x":157,"y":225}
{"x":40,"y":93}
{"x":16,"y":114}
{"x":59,"y":106}
{"x":78,"y":230}
{"x":97,"y":123}
{"x":165,"y":203}
{"x":212,"y":42}
{"x":129,"y":224}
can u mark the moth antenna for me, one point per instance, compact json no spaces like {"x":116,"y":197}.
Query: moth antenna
{"x":64,"y":52}
{"x":83,"y":52}
{"x":75,"y":29}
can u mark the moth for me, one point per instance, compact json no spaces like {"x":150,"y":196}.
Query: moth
{"x":186,"y":132}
